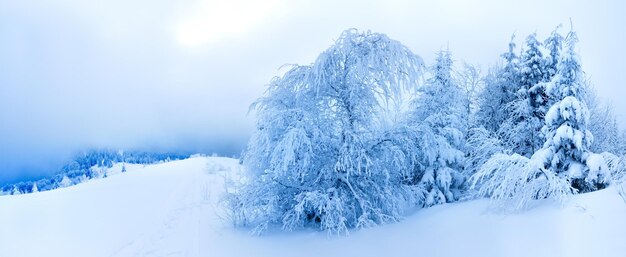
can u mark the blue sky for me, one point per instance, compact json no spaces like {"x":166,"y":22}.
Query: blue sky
{"x":180,"y":75}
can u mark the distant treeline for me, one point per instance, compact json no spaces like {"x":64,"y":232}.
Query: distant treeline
{"x":80,"y":169}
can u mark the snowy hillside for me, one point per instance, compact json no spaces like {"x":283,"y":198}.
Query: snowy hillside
{"x":171,"y":209}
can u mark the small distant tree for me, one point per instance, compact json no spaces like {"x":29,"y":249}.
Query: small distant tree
{"x":65,"y":182}
{"x":82,"y":178}
{"x":35,"y":189}
{"x":16,"y":190}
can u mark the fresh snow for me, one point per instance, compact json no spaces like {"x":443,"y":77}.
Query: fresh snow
{"x":172,"y":209}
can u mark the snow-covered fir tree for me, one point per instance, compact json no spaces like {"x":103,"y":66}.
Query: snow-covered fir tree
{"x":522,"y":129}
{"x":564,"y":164}
{"x":553,"y":44}
{"x":533,"y":63}
{"x":566,"y":150}
{"x":316,"y":158}
{"x":500,"y":90}
{"x":65,"y":182}
{"x":34,"y":189}
{"x":16,"y":191}
{"x":438,"y":114}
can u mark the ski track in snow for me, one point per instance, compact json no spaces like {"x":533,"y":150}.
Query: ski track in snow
{"x":179,"y":233}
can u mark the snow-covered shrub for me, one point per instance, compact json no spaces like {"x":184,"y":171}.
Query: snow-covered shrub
{"x":621,"y":190}
{"x":316,"y":159}
{"x":514,"y":181}
{"x":616,"y":165}
{"x":480,"y":145}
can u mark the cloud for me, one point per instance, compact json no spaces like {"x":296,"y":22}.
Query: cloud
{"x":217,"y":19}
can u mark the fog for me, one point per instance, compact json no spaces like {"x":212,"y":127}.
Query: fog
{"x":180,"y":75}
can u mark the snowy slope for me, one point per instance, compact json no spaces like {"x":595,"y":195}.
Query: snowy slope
{"x":171,"y":209}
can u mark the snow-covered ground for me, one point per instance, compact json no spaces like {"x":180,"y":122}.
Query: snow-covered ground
{"x":171,"y":209}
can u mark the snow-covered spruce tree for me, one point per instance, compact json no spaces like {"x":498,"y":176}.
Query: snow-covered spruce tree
{"x":16,"y":191}
{"x":566,"y":150}
{"x":315,"y":158}
{"x":501,"y":86}
{"x":553,"y":44}
{"x":65,"y":182}
{"x":564,"y":164}
{"x":438,"y":116}
{"x":522,"y":129}
{"x":533,"y":63}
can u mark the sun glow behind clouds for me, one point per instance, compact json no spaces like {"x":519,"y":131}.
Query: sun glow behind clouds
{"x":213,"y":20}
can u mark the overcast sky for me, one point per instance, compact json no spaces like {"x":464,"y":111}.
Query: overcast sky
{"x":180,"y":74}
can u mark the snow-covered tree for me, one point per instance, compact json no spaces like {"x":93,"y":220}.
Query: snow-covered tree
{"x":616,"y":164}
{"x":564,"y":164}
{"x":500,"y":90}
{"x":514,"y":180}
{"x":522,"y":129}
{"x":533,"y":63}
{"x":16,"y":191}
{"x":65,"y":182}
{"x":553,"y":44}
{"x":566,"y":150}
{"x":602,"y":123}
{"x":604,"y":127}
{"x":622,"y":143}
{"x":469,"y":79}
{"x":34,"y":189}
{"x":480,"y":146}
{"x":316,"y":158}
{"x":439,"y":115}
{"x":520,"y":132}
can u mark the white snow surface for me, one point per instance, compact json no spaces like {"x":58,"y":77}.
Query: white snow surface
{"x":172,"y":209}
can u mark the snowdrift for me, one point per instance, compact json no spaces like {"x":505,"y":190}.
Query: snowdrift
{"x":172,"y":209}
